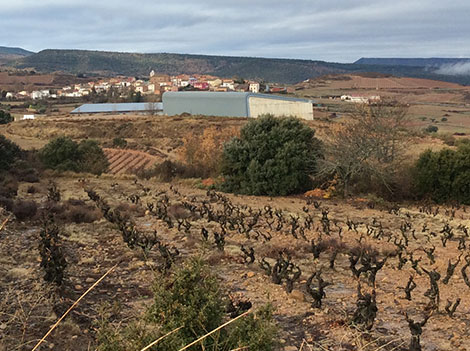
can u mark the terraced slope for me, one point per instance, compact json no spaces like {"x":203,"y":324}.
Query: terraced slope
{"x":128,"y":161}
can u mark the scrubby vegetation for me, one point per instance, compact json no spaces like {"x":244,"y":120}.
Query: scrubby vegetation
{"x":169,"y":170}
{"x":190,"y":304}
{"x":5,"y":117}
{"x":431,"y":129}
{"x":204,"y":152}
{"x":445,"y":175}
{"x":64,"y":154}
{"x":119,"y":143}
{"x":8,"y":153}
{"x":272,"y":156}
{"x":329,"y":266}
{"x":365,"y":153}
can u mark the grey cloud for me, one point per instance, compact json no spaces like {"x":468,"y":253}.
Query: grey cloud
{"x":457,"y":69}
{"x":341,"y":30}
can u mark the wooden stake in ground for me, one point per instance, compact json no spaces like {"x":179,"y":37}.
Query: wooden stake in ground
{"x":4,"y":223}
{"x":212,"y":332}
{"x":160,"y":339}
{"x":73,"y":306}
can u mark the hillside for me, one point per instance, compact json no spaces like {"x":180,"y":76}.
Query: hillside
{"x":133,"y":64}
{"x":313,"y":234}
{"x":4,"y":50}
{"x":268,"y":69}
{"x":414,"y":62}
{"x":8,"y":54}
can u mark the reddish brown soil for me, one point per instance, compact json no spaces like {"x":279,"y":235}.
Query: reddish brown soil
{"x":129,"y":161}
{"x":91,"y":249}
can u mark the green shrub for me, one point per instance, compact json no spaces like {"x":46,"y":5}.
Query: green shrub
{"x":119,"y":143}
{"x":61,"y":154}
{"x":8,"y":153}
{"x":444,"y":175}
{"x":5,"y":117}
{"x":169,"y":170}
{"x":191,"y":298}
{"x":255,"y":331}
{"x":91,"y":157}
{"x":273,"y":156}
{"x":64,"y":154}
{"x":431,"y":129}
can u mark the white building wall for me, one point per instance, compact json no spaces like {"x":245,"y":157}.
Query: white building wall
{"x":277,"y":107}
{"x":254,"y":87}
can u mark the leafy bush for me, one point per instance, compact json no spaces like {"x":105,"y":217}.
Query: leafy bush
{"x":5,"y":117}
{"x":444,"y":175}
{"x":190,"y":299}
{"x":91,"y":157}
{"x":273,"y":156}
{"x":8,"y":153}
{"x":61,"y":154}
{"x":24,"y":209}
{"x":431,"y":129}
{"x":119,"y":143}
{"x":255,"y":331}
{"x":64,"y":154}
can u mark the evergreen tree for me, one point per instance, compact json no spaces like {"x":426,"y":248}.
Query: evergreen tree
{"x":273,"y":156}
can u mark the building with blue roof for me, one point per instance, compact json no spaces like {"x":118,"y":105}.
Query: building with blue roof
{"x":137,"y":107}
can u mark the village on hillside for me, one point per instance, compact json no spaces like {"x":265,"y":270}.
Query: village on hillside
{"x":156,"y":85}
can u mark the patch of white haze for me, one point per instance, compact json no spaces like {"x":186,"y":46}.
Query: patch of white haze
{"x":456,"y":69}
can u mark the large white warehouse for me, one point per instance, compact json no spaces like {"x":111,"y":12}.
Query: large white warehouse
{"x":235,"y":104}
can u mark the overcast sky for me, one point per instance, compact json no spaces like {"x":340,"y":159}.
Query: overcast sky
{"x":333,"y":30}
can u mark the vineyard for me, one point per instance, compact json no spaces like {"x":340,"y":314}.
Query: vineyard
{"x":128,"y":161}
{"x":340,"y":275}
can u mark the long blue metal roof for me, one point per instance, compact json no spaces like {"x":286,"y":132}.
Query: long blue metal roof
{"x":119,"y":108}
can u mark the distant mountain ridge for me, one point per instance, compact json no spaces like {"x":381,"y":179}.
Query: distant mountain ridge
{"x":267,"y":69}
{"x":7,"y":54}
{"x":135,"y":64}
{"x":5,"y":50}
{"x":414,"y":62}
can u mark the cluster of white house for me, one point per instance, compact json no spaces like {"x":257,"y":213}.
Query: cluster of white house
{"x":157,"y":84}
{"x":360,"y":99}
